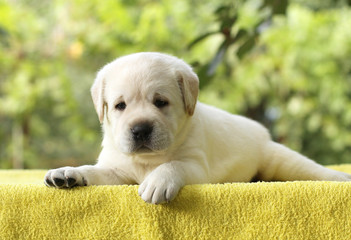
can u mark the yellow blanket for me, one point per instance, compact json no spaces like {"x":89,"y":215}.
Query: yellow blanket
{"x":275,"y":210}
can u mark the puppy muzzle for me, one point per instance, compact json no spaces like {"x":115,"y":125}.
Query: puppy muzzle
{"x":141,"y":134}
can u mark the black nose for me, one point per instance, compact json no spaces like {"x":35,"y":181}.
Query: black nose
{"x":141,"y":132}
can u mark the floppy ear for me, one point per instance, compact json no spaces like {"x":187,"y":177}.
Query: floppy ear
{"x":189,"y":86}
{"x":97,"y":93}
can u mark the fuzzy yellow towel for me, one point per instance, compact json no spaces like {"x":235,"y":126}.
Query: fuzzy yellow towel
{"x":276,"y":210}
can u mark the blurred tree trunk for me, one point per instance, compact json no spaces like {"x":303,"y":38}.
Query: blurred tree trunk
{"x":20,"y":132}
{"x":17,"y":146}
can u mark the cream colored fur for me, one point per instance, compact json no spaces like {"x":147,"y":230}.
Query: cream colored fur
{"x":190,"y":142}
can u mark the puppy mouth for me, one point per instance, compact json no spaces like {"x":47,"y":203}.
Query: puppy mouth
{"x":141,"y":134}
{"x":146,"y":148}
{"x":145,"y":138}
{"x":142,"y":148}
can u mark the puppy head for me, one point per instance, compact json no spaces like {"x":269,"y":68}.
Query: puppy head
{"x":143,"y":100}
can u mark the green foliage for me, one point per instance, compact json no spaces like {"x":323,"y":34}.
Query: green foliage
{"x":50,"y":52}
{"x":240,"y":23}
{"x":282,"y":63}
{"x":296,"y":80}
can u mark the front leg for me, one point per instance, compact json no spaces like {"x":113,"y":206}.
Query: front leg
{"x":68,"y":177}
{"x":165,"y":181}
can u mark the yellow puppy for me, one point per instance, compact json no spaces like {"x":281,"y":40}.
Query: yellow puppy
{"x":158,"y":135}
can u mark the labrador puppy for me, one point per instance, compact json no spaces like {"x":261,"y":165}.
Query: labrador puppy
{"x":158,"y":135}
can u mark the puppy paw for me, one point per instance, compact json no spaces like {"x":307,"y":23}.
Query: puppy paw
{"x":157,"y":189}
{"x":67,"y":177}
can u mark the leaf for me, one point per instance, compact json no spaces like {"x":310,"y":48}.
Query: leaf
{"x":228,"y":22}
{"x":278,"y":6}
{"x":240,"y":34}
{"x":202,"y":74}
{"x":220,"y":9}
{"x":200,"y":38}
{"x":218,"y":58}
{"x":246,"y":47}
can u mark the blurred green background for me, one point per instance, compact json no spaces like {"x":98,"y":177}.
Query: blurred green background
{"x":286,"y":64}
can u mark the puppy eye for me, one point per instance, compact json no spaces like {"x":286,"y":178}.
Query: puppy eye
{"x":121,"y":106}
{"x":160,"y":103}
